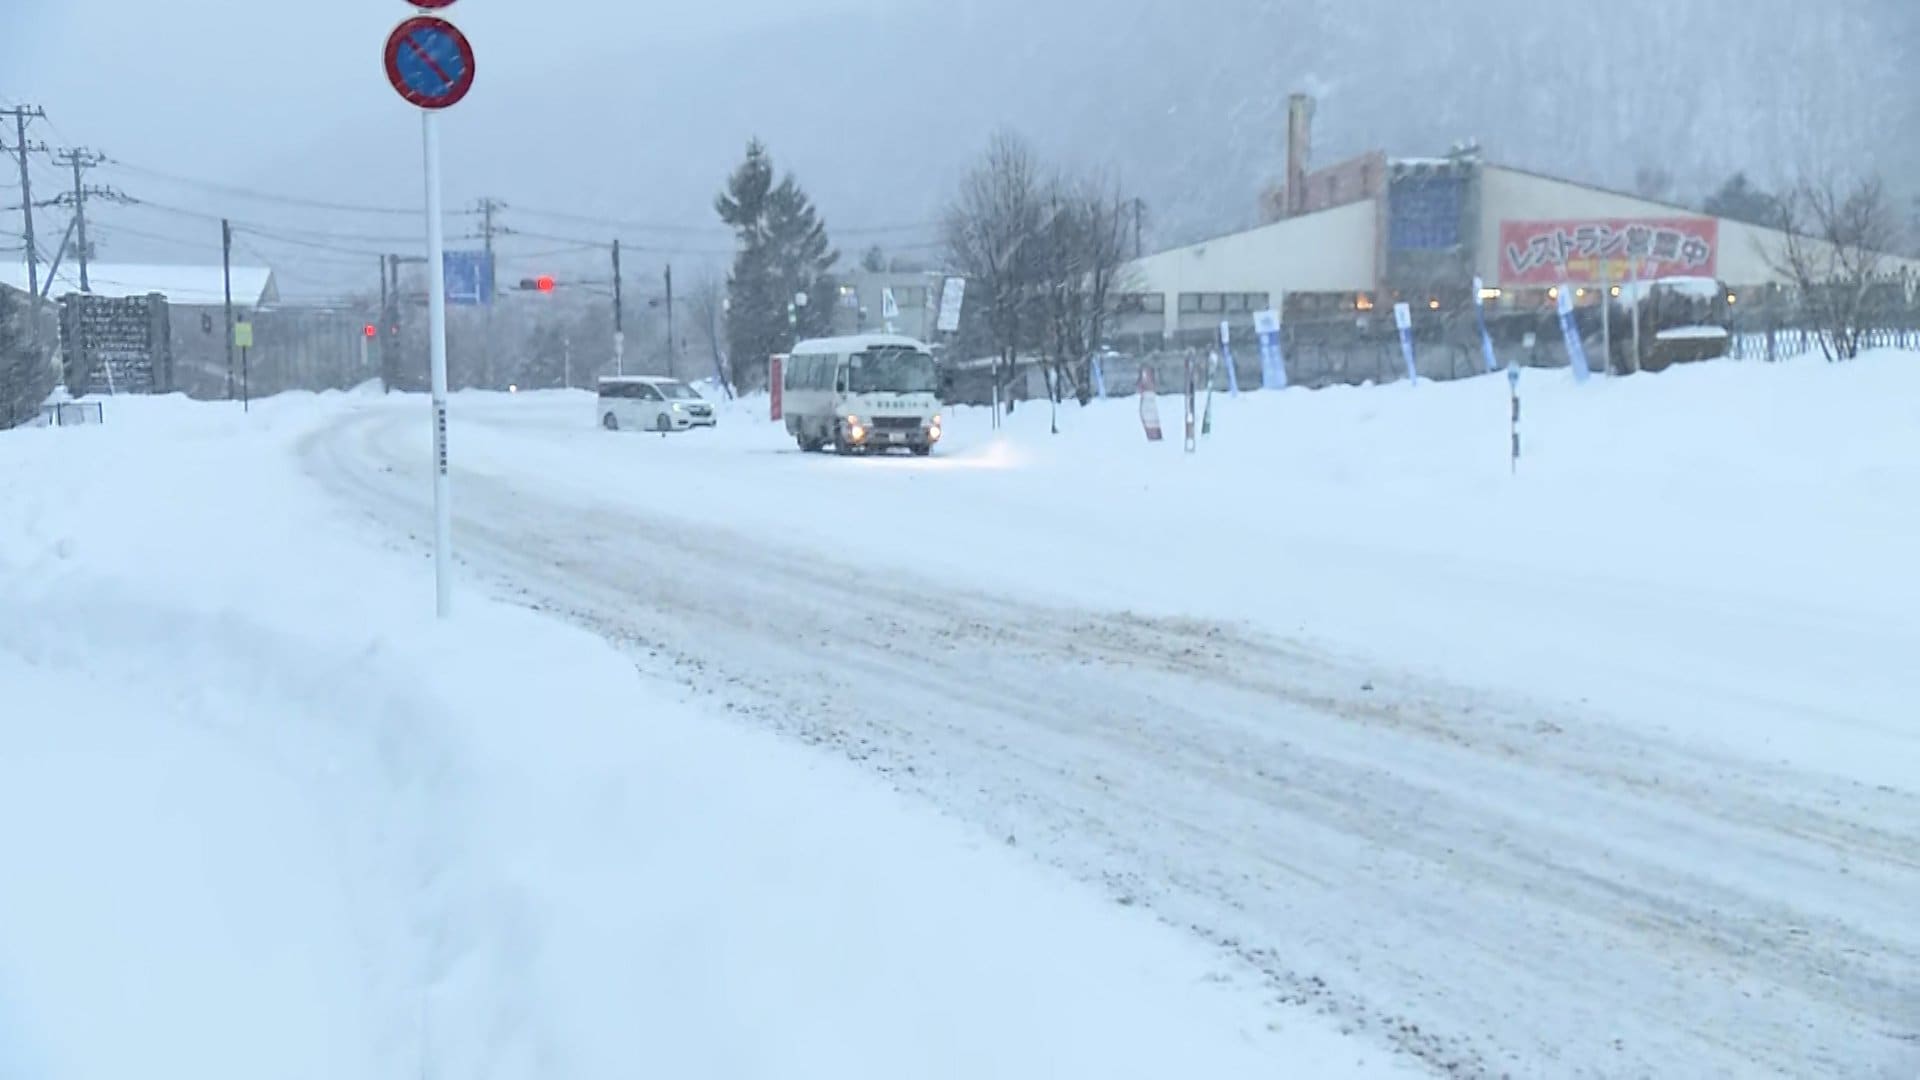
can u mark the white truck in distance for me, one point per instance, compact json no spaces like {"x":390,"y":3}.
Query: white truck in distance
{"x":870,"y":393}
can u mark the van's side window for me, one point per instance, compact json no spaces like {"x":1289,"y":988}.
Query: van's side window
{"x":795,"y":375}
{"x":823,"y":372}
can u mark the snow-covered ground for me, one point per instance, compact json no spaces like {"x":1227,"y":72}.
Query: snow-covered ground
{"x":1605,"y":768}
{"x":261,"y":817}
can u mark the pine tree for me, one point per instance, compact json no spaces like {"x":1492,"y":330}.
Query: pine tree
{"x":1739,"y":200}
{"x":26,"y":374}
{"x":783,"y":253}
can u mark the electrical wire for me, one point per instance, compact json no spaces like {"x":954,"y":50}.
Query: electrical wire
{"x":267,"y":196}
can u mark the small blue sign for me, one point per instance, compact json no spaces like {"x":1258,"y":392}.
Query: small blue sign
{"x":469,"y":276}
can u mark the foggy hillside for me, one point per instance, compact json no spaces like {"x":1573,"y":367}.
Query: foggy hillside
{"x":879,"y":112}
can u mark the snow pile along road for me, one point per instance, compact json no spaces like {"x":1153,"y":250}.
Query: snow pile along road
{"x":261,"y":816}
{"x":1607,"y":768}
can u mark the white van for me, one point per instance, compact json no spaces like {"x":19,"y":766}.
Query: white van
{"x":874,"y":392}
{"x":652,"y":404}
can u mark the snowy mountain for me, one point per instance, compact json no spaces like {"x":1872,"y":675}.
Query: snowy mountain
{"x":879,"y":107}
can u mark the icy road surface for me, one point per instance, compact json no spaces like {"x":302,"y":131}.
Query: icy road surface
{"x":1495,"y":885}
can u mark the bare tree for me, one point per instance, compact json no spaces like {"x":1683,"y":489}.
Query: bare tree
{"x":990,"y":231}
{"x":1833,"y":249}
{"x":1082,"y":248}
{"x":707,"y":301}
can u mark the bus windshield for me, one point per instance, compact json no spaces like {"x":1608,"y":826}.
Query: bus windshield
{"x":891,"y":370}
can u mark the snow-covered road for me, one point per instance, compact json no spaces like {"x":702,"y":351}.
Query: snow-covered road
{"x":1495,"y":884}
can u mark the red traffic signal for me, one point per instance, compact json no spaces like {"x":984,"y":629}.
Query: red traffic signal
{"x":371,"y":330}
{"x":543,"y":283}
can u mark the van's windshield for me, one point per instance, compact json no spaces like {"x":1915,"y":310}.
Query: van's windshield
{"x":678,"y":391}
{"x":891,"y":370}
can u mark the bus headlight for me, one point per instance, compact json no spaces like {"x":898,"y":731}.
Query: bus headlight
{"x":856,"y":432}
{"x":933,"y":433}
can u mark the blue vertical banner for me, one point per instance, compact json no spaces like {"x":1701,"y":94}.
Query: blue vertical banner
{"x":1570,"y":329}
{"x":1099,"y":377}
{"x":1480,"y":315}
{"x":1403,"y":318}
{"x":1273,"y":364}
{"x":1226,"y":357}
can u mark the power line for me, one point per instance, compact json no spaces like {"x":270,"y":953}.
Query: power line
{"x":712,"y":230}
{"x":268,"y":196}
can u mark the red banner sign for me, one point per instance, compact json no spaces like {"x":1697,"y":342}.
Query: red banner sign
{"x":1590,"y":250}
{"x":776,"y":372}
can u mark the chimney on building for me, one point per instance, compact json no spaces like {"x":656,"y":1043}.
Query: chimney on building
{"x":1299,"y":150}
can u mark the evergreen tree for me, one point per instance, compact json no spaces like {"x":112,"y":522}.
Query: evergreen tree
{"x":1739,"y":200}
{"x":783,"y":252}
{"x":26,"y":374}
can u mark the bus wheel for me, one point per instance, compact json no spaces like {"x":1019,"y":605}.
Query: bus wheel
{"x":922,"y":449}
{"x":610,"y":422}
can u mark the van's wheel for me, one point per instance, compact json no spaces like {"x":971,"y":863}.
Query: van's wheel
{"x":663,"y":423}
{"x":610,"y":422}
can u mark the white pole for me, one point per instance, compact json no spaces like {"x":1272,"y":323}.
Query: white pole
{"x":437,"y":329}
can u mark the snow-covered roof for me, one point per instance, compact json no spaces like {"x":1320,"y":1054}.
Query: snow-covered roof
{"x":194,"y":286}
{"x":858,"y":343}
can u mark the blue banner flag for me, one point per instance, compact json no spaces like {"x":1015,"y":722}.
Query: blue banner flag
{"x":1099,"y":378}
{"x":1576,"y":349}
{"x":1273,"y":363}
{"x":1480,"y":314}
{"x":1226,"y":357}
{"x":1403,"y":318}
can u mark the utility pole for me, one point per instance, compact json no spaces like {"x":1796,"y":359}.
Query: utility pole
{"x":672,"y":352}
{"x":386,"y":327}
{"x":487,"y":208}
{"x":226,"y":272}
{"x":1139,"y":214}
{"x":619,"y":323}
{"x":81,"y":159}
{"x":21,"y":114}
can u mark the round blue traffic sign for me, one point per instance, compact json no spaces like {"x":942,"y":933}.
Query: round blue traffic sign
{"x":430,"y":62}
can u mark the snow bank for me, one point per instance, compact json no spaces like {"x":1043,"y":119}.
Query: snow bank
{"x":261,"y":816}
{"x":1721,"y":551}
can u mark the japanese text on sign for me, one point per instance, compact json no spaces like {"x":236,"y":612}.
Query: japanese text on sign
{"x":1614,"y":249}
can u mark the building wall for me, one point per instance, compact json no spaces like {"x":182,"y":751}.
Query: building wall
{"x":1331,"y":251}
{"x":916,"y":292}
{"x":1509,"y":195}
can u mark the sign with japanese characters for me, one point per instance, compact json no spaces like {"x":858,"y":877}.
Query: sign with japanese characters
{"x":1587,"y":251}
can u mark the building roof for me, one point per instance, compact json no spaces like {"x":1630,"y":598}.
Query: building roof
{"x":191,"y":286}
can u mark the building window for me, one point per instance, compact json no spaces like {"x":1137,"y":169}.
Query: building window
{"x":1257,"y":301}
{"x":1212,"y":303}
{"x":1140,"y":304}
{"x":1190,"y":303}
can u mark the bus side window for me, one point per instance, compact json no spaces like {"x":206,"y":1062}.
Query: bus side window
{"x":840,"y":378}
{"x":822,"y":373}
{"x":790,"y":374}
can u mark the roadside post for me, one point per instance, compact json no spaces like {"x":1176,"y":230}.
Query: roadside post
{"x":243,"y":340}
{"x":430,"y":64}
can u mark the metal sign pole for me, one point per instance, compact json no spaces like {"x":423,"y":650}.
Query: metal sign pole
{"x":437,"y":333}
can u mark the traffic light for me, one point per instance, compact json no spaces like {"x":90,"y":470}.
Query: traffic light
{"x":371,"y":331}
{"x":544,"y":283}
